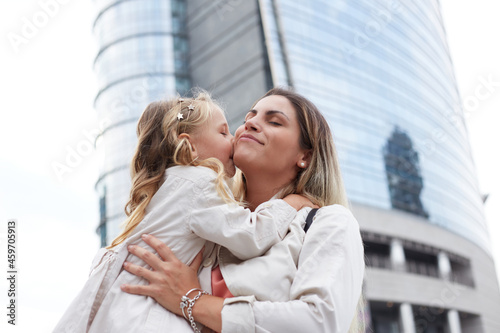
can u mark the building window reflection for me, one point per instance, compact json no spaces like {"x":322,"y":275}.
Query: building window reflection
{"x":101,"y":229}
{"x":403,"y":173}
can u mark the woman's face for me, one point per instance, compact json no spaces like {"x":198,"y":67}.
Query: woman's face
{"x":268,"y":141}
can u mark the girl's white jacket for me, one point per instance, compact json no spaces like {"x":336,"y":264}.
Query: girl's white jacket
{"x":186,"y":213}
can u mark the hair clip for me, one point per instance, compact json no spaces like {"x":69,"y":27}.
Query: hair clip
{"x":180,"y":116}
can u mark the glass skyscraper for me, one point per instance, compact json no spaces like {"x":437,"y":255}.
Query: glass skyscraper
{"x":142,"y":58}
{"x":381,"y":73}
{"x":379,"y":66}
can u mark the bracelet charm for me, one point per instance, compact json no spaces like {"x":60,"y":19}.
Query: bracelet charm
{"x":188,"y":303}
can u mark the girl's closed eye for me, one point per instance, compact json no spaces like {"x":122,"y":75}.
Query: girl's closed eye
{"x":224,"y":130}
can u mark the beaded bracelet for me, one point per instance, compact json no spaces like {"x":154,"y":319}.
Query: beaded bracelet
{"x":188,"y":303}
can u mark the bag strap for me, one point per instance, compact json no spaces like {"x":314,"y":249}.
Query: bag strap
{"x":309,"y":219}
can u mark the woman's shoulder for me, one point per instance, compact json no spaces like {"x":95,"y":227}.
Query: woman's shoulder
{"x":337,"y":215}
{"x":335,"y":209}
{"x":337,"y":223}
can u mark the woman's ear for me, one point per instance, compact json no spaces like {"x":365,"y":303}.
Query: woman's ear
{"x":194,"y":151}
{"x":304,"y":159}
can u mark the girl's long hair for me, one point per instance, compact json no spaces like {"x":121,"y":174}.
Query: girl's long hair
{"x":159,"y":147}
{"x":321,"y":182}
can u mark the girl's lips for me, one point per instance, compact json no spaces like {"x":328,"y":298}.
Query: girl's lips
{"x":248,"y":137}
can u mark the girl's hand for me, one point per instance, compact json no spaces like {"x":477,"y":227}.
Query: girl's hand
{"x":169,"y":278}
{"x":298,"y":201}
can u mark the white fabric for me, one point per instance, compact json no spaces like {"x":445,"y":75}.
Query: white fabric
{"x":305,"y":283}
{"x":186,"y":213}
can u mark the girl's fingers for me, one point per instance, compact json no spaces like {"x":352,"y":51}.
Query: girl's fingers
{"x":160,"y":247}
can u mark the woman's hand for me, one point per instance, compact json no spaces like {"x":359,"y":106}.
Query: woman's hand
{"x":169,"y":278}
{"x":298,"y":201}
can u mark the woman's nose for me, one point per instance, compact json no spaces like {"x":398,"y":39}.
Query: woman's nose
{"x":252,"y":124}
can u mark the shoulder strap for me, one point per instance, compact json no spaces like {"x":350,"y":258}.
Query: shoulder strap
{"x":309,"y":219}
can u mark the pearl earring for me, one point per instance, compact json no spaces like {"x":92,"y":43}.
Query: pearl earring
{"x":302,"y":164}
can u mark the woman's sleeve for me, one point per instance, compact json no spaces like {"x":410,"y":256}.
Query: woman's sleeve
{"x":325,"y":291}
{"x":244,"y":233}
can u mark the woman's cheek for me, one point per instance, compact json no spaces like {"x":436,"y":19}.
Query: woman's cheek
{"x":236,"y":159}
{"x":238,"y":131}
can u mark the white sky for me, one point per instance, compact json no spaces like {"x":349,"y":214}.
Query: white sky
{"x":47,"y":89}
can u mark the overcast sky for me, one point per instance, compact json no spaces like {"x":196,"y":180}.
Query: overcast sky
{"x":47,"y":90}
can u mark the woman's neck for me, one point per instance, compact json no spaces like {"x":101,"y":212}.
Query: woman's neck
{"x":259,"y":191}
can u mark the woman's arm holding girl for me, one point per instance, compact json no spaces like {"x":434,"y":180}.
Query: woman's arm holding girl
{"x":170,"y":279}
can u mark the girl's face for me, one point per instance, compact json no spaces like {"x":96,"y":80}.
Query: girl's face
{"x":268,"y":141}
{"x":215,"y":140}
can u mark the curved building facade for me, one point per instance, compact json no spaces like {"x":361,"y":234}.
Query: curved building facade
{"x":376,"y":67}
{"x":381,"y":73}
{"x":142,"y":57}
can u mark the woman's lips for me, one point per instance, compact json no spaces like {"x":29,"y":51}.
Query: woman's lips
{"x":249,"y":137}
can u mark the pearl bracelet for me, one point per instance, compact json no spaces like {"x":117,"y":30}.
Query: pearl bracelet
{"x":188,"y":303}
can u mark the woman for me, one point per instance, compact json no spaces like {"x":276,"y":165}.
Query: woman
{"x":305,"y":283}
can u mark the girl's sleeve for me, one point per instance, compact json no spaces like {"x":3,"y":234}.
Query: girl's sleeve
{"x":324,"y":293}
{"x":244,"y":233}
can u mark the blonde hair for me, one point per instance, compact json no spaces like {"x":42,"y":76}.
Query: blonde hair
{"x":159,"y":147}
{"x":321,"y":182}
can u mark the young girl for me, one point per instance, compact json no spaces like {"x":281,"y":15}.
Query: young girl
{"x":179,"y":195}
